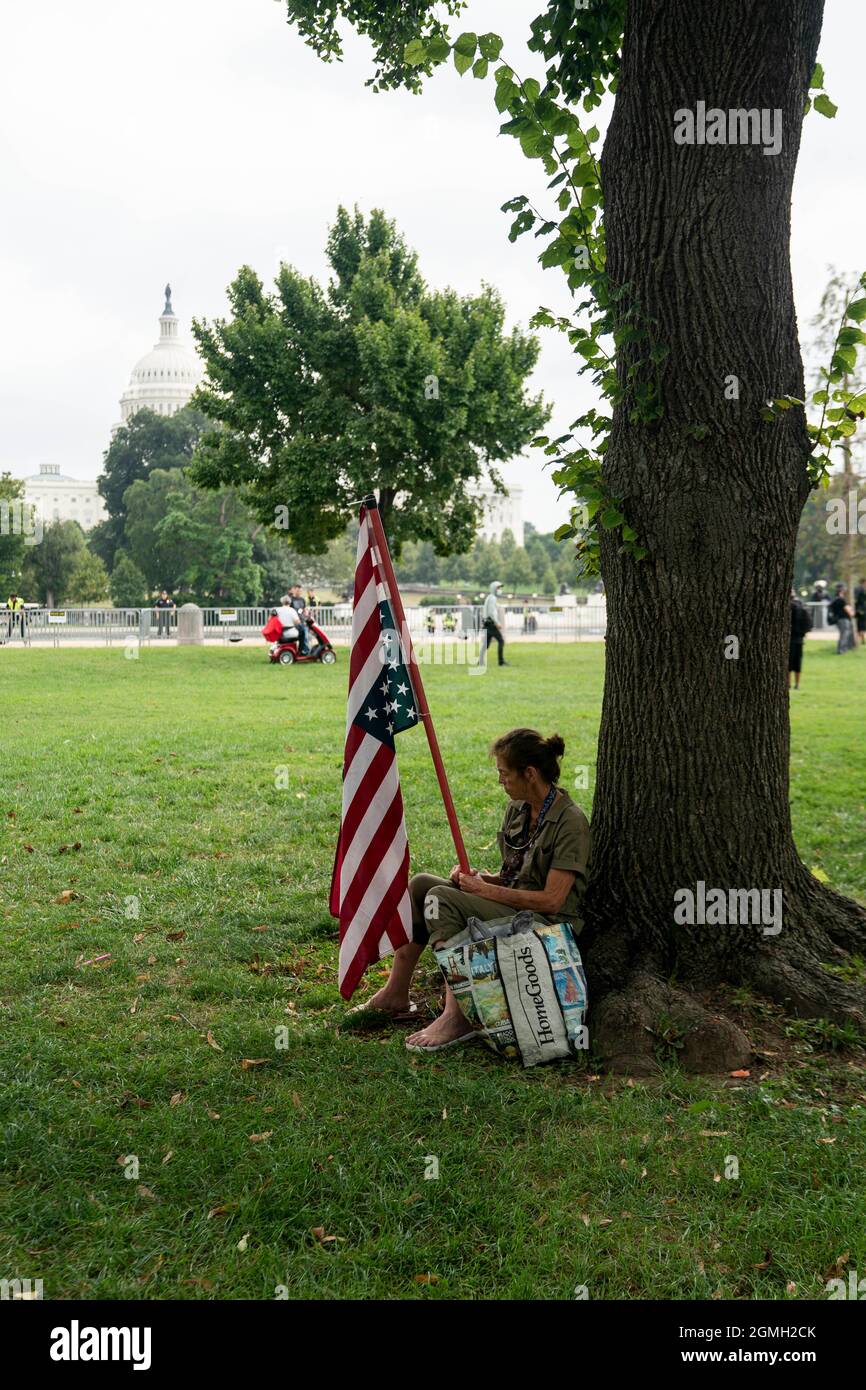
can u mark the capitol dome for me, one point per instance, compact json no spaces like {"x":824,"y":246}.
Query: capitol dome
{"x":164,"y":380}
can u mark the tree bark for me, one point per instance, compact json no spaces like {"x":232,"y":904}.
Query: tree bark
{"x":692,"y":778}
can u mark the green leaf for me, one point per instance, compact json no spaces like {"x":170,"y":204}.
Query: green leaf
{"x":462,"y":61}
{"x":415,"y":52}
{"x":506,"y":91}
{"x":479,"y":68}
{"x":817,"y":78}
{"x":491,"y":46}
{"x":467,"y":44}
{"x":857,"y":310}
{"x":822,"y":397}
{"x":438,"y":49}
{"x":823,"y":104}
{"x":850,"y":337}
{"x":611,"y":518}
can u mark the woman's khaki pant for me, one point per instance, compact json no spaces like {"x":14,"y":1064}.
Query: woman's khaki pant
{"x":440,"y":910}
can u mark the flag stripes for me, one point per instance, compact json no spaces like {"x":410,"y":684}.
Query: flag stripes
{"x":370,"y":882}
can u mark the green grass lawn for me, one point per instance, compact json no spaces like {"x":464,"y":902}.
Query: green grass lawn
{"x":150,"y":786}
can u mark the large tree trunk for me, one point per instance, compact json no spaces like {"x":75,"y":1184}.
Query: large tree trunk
{"x":693,"y":755}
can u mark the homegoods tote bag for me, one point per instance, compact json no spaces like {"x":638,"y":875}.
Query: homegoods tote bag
{"x":520,"y":981}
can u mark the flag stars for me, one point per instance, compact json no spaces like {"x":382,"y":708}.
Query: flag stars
{"x":402,"y":689}
{"x":371,"y":713}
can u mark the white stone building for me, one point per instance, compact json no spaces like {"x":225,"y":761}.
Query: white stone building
{"x":57,"y":497}
{"x":164,"y":379}
{"x":502,"y":512}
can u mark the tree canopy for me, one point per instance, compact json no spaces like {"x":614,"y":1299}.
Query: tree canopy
{"x":145,"y":442}
{"x":319,"y":395}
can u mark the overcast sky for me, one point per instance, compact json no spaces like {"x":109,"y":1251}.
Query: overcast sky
{"x":184,"y":138}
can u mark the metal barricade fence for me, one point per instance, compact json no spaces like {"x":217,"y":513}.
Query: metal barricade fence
{"x":64,"y":626}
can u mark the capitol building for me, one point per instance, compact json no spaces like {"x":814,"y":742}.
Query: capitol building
{"x":165,"y":378}
{"x":162,"y":381}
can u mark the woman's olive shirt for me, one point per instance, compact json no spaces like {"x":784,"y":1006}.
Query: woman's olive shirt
{"x":563,"y":843}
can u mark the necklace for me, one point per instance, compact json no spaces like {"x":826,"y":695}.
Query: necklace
{"x":517,"y":849}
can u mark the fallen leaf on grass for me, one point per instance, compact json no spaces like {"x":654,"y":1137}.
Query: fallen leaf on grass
{"x":213,"y":1042}
{"x":221,"y":1210}
{"x":827,"y":1141}
{"x":296,"y":1101}
{"x":319,"y":1233}
{"x":714,"y":1133}
{"x":739,"y":1073}
{"x":426,"y":1278}
{"x":158,"y":1262}
{"x":175,"y":935}
{"x":258,"y":1138}
{"x":765,"y":1262}
{"x":144,"y":1191}
{"x":169,"y":1156}
{"x":68,"y":926}
{"x":66,"y":896}
{"x":247,"y":1062}
{"x":177,"y":1098}
{"x":134,"y":1005}
{"x":244,"y":1242}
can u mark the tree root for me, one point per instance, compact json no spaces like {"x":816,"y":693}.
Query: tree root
{"x":637,"y":1028}
{"x":805,"y":989}
{"x":840,"y":918}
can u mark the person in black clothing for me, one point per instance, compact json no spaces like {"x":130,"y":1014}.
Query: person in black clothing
{"x":801,"y":623}
{"x":164,"y":606}
{"x":860,"y":610}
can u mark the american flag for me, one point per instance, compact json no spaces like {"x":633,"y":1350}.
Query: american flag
{"x":370,"y":883}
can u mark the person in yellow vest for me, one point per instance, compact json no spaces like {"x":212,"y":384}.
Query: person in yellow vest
{"x":15,"y":609}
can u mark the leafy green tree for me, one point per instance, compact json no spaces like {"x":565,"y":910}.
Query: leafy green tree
{"x":88,"y":580}
{"x":49,"y":566}
{"x":689,"y":487}
{"x":146,"y":442}
{"x":519,"y":573}
{"x":822,"y":552}
{"x":375,"y":383}
{"x":548,"y":582}
{"x":13,"y":534}
{"x":190,"y":540}
{"x":127,"y":584}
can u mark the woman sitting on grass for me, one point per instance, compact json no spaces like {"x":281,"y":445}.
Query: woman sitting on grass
{"x":544,"y":842}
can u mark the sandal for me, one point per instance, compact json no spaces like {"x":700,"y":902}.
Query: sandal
{"x":440,"y":1047}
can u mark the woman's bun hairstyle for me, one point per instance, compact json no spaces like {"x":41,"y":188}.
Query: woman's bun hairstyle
{"x":523,"y":748}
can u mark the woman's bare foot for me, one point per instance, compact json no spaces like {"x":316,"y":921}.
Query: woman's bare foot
{"x":389,"y":1000}
{"x":445,"y":1028}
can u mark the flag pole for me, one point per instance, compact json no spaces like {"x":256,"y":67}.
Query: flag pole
{"x":372,"y":508}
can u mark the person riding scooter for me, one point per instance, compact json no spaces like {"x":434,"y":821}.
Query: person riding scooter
{"x":290,"y":614}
